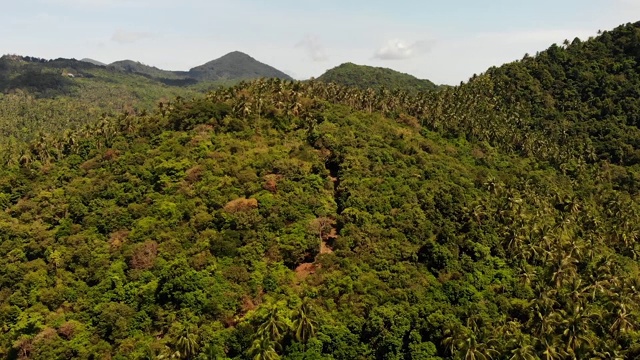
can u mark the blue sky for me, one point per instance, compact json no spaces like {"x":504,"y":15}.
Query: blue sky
{"x":445,"y":41}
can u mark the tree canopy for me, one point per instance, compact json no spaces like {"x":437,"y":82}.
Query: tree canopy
{"x":310,"y":220}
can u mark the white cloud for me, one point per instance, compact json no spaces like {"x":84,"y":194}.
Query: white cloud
{"x":128,"y":37}
{"x":400,"y":50}
{"x":314,"y":48}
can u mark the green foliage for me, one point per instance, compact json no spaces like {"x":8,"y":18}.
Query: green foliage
{"x":293,"y":220}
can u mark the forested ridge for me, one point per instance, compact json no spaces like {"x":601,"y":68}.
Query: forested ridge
{"x":305,"y":220}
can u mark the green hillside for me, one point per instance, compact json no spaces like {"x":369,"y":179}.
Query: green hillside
{"x":311,"y":220}
{"x":364,"y":77}
{"x":51,"y":96}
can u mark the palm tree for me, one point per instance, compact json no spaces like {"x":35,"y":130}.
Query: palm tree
{"x":304,"y":324}
{"x":552,"y":349}
{"x":187,"y":344}
{"x":623,"y":322}
{"x":273,"y":327}
{"x":263,"y":349}
{"x":522,"y":348}
{"x":576,"y":322}
{"x":523,"y":352}
{"x":565,"y":270}
{"x":454,"y":337}
{"x":472,"y":349}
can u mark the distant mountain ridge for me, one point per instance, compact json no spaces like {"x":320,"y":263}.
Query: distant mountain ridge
{"x":233,"y":66}
{"x":140,"y":68}
{"x":226,"y":70}
{"x":363,"y":76}
{"x":52,"y":77}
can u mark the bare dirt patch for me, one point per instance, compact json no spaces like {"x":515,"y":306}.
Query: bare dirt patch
{"x":305,"y":269}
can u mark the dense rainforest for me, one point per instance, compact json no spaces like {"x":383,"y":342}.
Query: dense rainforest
{"x":310,"y":220}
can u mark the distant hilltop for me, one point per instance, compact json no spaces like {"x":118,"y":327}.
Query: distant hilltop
{"x":363,"y":76}
{"x":235,"y":65}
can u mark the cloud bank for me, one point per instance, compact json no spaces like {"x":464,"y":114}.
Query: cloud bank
{"x":400,"y":50}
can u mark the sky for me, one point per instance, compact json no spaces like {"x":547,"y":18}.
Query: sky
{"x":445,"y":41}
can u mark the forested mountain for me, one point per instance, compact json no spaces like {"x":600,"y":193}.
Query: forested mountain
{"x":236,"y":66}
{"x":311,"y":220}
{"x":364,"y":77}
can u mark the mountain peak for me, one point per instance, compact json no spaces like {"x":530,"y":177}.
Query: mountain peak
{"x":236,"y":53}
{"x":364,"y":76}
{"x":236,"y":65}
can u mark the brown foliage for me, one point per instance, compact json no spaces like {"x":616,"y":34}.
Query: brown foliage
{"x":46,"y":169}
{"x":477,"y":153}
{"x":409,"y":120}
{"x":202,"y":134}
{"x":271,"y":182}
{"x":201,"y":260}
{"x":240,"y":205}
{"x":44,"y":336}
{"x":67,"y":330}
{"x":248,"y":304}
{"x":144,"y":255}
{"x":116,"y":239}
{"x":110,"y":154}
{"x":24,"y":346}
{"x":90,"y":164}
{"x":194,"y":174}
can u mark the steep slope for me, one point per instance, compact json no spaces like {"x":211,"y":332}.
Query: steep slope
{"x":236,"y":66}
{"x":364,"y":77}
